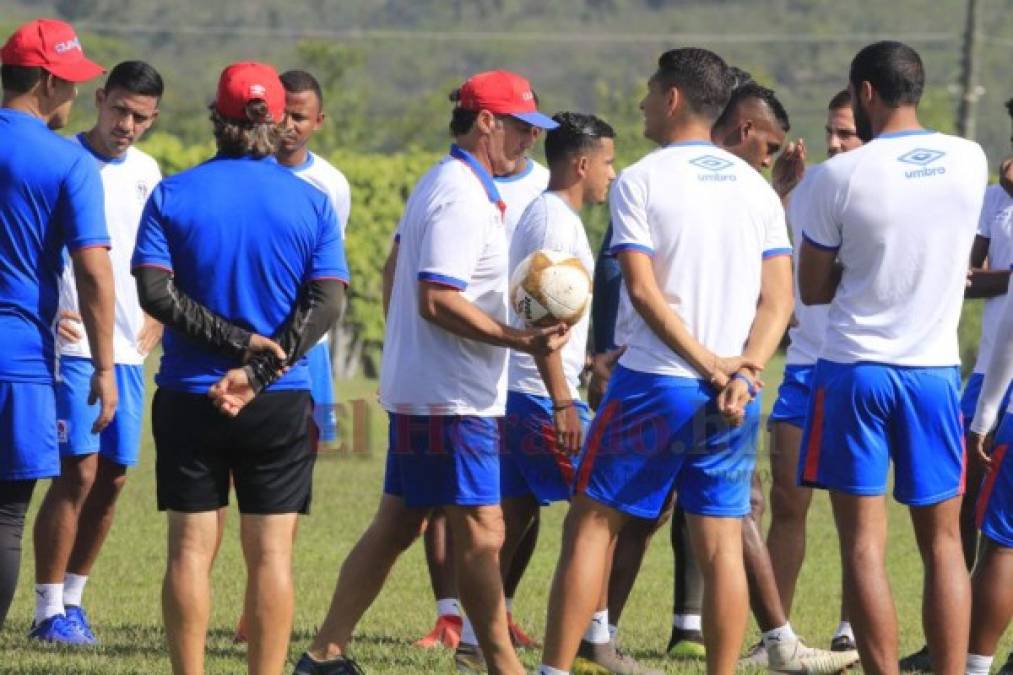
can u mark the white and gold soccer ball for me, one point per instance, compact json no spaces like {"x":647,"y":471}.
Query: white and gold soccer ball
{"x":548,"y":287}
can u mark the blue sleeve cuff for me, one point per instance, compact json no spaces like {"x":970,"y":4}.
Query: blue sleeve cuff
{"x":774,"y":252}
{"x":631,"y":247}
{"x":443,"y":280}
{"x":89,"y":242}
{"x":816,"y":244}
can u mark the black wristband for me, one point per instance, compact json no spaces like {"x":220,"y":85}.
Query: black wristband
{"x":559,"y":407}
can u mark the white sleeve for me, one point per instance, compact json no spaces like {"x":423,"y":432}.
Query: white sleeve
{"x":530,"y":233}
{"x":998,"y":373}
{"x":342,"y":200}
{"x":776,"y":241}
{"x":987,"y":216}
{"x":452,"y":243}
{"x":628,"y":205}
{"x":821,"y":223}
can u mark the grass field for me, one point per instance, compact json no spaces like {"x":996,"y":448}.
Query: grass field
{"x":123,"y":594}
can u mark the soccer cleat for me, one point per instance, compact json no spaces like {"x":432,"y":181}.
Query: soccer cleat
{"x":791,"y":656}
{"x":469,"y":659}
{"x":339,"y":666}
{"x":686,"y":644}
{"x":918,"y":662}
{"x":756,"y":657}
{"x":518,"y":637}
{"x":78,"y":617}
{"x":843,"y":643}
{"x":1007,"y":669}
{"x":240,"y":635}
{"x":446,"y":633}
{"x":606,"y":657}
{"x":59,"y":630}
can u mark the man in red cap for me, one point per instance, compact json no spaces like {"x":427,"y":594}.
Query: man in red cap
{"x":45,"y":206}
{"x":270,"y":257}
{"x":447,"y":316}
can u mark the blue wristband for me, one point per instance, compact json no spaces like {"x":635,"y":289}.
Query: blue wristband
{"x":752,"y":388}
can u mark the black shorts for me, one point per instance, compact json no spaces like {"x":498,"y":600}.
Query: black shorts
{"x":266,"y":450}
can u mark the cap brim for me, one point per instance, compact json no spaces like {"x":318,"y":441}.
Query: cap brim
{"x":79,"y":71}
{"x":536,"y":119}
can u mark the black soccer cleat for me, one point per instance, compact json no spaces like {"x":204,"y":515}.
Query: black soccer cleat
{"x":339,"y":666}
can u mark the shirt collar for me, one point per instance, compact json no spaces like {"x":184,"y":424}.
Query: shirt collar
{"x":83,"y":140}
{"x":488,"y":182}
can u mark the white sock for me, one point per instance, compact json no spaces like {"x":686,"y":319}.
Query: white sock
{"x":779,"y":635}
{"x":73,"y":589}
{"x":444,"y":607}
{"x":468,"y":636}
{"x":978,"y":665}
{"x":48,"y":601}
{"x":510,"y":605}
{"x":613,"y":631}
{"x":844,"y":628}
{"x":687,"y":621}
{"x":549,"y":670}
{"x":598,"y":630}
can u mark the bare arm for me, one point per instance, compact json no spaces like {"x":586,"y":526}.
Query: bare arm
{"x":564,"y":415}
{"x":389,"y":267}
{"x":93,"y":273}
{"x":450,"y":310}
{"x":983,"y":282}
{"x":819,"y":274}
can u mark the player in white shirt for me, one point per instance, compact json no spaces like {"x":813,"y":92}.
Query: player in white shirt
{"x":520,"y":189}
{"x":789,"y":503}
{"x":446,"y":317}
{"x":706,"y":262}
{"x":78,"y":509}
{"x":305,"y":115}
{"x":886,"y":244}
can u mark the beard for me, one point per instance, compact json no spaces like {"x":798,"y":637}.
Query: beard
{"x":863,"y":125}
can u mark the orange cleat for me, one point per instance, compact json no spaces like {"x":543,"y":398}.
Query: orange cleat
{"x":446,"y":633}
{"x":240,"y":636}
{"x":518,"y":637}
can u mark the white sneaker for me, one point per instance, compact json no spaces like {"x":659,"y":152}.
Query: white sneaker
{"x":794,"y":657}
{"x":756,"y":657}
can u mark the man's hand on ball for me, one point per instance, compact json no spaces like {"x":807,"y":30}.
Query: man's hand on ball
{"x":231,"y":393}
{"x":544,"y":341}
{"x":569,"y":430}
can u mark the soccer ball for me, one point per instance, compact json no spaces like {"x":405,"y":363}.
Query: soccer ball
{"x":548,"y":287}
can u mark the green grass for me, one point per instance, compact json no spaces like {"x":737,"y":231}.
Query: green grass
{"x":123,"y":594}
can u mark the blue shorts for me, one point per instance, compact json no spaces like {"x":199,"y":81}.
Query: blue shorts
{"x":322,"y":389}
{"x":654,"y":433}
{"x":120,"y":442}
{"x":995,"y":501}
{"x":531,"y":463}
{"x":972,"y":392}
{"x":28,"y":447}
{"x":863,"y":415}
{"x":792,"y":402}
{"x":443,"y":460}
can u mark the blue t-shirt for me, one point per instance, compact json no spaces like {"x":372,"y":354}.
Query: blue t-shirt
{"x":50,"y":198}
{"x":241,"y":237}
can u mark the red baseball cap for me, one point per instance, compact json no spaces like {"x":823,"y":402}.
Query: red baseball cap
{"x":52,"y":45}
{"x":503,"y":93}
{"x":241,"y":83}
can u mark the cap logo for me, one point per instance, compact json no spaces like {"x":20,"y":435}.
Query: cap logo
{"x":67,"y":45}
{"x":527,"y":96}
{"x":258,"y":91}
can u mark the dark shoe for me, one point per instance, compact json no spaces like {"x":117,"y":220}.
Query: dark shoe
{"x":469,"y":659}
{"x":339,"y":666}
{"x":843,"y":643}
{"x":919,"y":662}
{"x":608,"y":657}
{"x":1008,"y":668}
{"x":686,"y":644}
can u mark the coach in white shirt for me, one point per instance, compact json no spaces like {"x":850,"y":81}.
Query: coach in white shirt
{"x":886,"y":245}
{"x":443,"y":374}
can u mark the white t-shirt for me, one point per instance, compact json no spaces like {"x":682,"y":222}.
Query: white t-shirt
{"x":451,"y":233}
{"x":901,"y":212}
{"x":811,"y":320}
{"x":995,"y":224}
{"x":550,"y":223}
{"x":999,"y":371}
{"x":127,"y":182}
{"x":519,"y":190}
{"x":324,"y":176}
{"x":707,"y":219}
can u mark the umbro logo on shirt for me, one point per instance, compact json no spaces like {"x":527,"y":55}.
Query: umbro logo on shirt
{"x":715,"y":165}
{"x":922,"y":157}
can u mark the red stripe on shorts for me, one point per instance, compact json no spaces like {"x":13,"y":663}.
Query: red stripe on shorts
{"x":812,"y":453}
{"x":593,"y":443}
{"x":559,"y":455}
{"x":986,"y":490}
